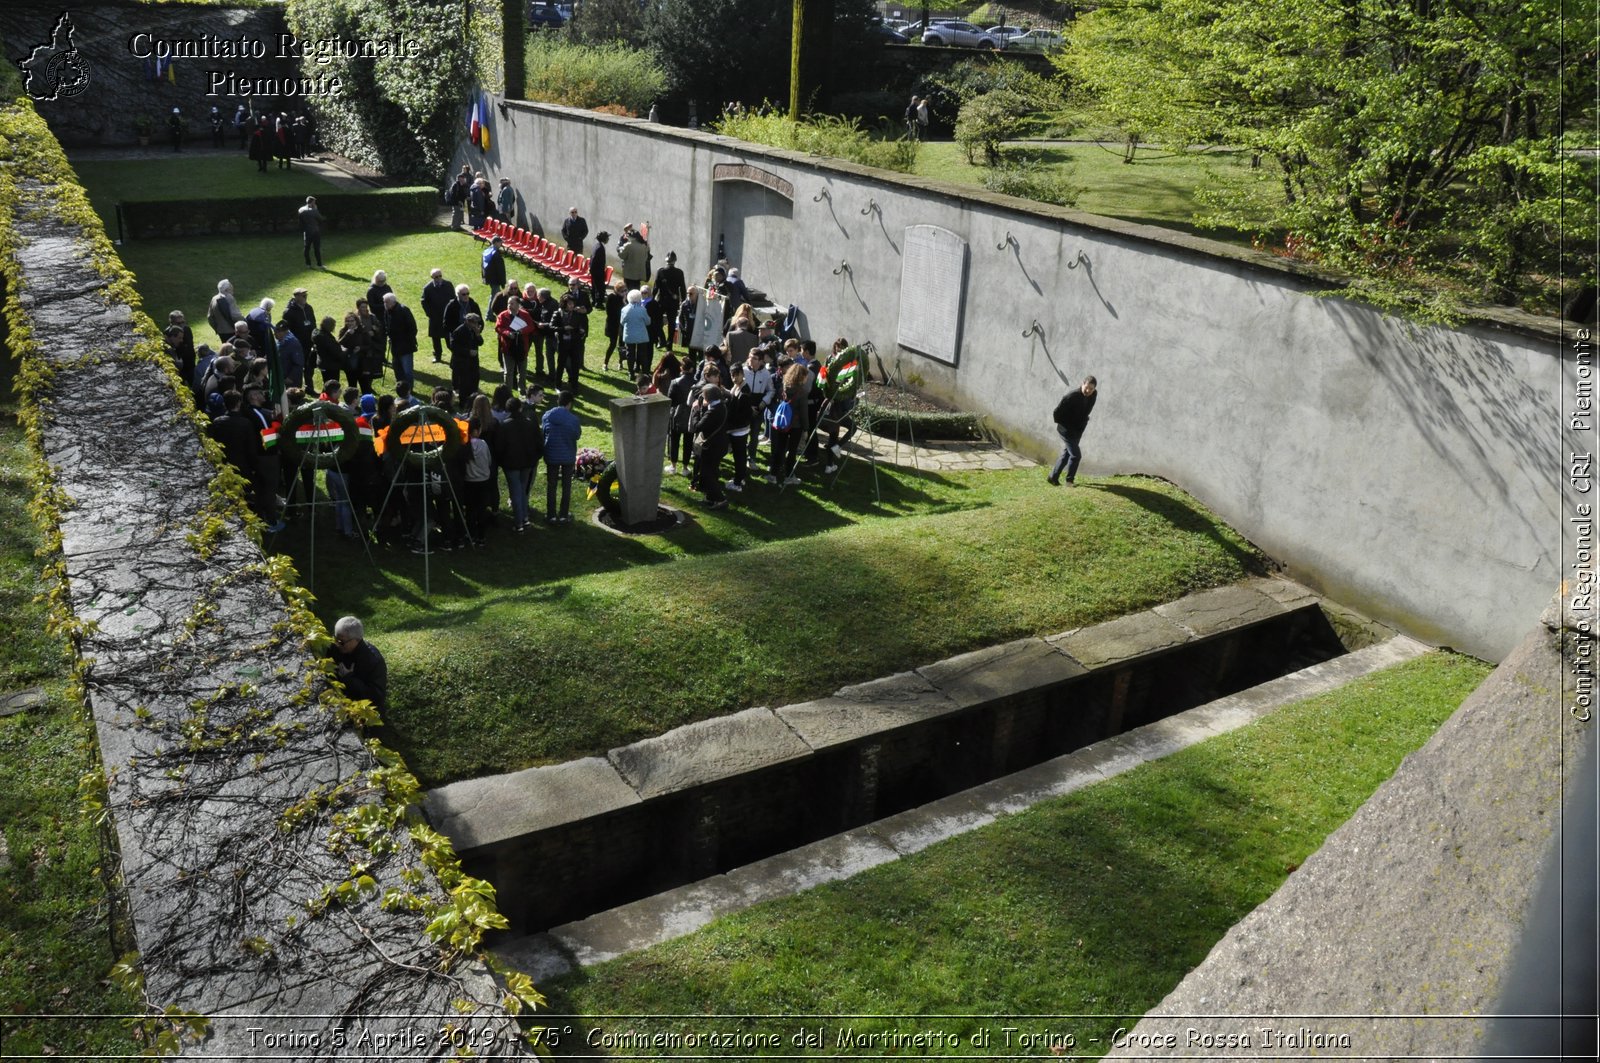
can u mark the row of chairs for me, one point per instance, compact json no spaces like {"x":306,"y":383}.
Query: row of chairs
{"x":538,"y":252}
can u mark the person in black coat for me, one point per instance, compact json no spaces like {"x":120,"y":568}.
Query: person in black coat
{"x":375,"y":293}
{"x":708,"y":422}
{"x":597,"y":263}
{"x":574,"y":230}
{"x":493,"y":266}
{"x":401,"y":326}
{"x":301,"y":317}
{"x":671,"y":288}
{"x":1072,"y":417}
{"x":456,"y":311}
{"x":518,"y":449}
{"x":358,"y":664}
{"x":179,"y":339}
{"x":464,"y":368}
{"x":437,"y":294}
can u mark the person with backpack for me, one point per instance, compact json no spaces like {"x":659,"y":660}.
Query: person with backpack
{"x":788,"y":423}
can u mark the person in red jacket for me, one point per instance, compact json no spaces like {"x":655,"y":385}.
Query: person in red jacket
{"x":515,"y":327}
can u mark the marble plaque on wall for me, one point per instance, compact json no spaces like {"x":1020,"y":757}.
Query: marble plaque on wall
{"x":933,"y":277}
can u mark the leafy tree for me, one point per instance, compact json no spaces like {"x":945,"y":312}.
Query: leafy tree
{"x":1409,"y":139}
{"x":985,"y":121}
{"x":727,"y":50}
{"x":605,"y":21}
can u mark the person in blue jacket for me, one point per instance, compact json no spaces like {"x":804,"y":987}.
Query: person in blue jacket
{"x":561,"y":432}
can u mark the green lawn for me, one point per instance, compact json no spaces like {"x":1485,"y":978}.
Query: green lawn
{"x":568,"y":641}
{"x":55,"y":948}
{"x":189,"y":176}
{"x":1158,"y":187}
{"x":1093,"y":905}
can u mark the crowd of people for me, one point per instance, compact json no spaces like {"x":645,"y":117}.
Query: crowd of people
{"x":729,"y":391}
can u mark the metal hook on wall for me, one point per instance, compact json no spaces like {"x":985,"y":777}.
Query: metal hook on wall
{"x":844,"y":267}
{"x":872,"y":205}
{"x":823,"y":193}
{"x":1034,"y":329}
{"x":1081,"y":260}
{"x":1009,"y":241}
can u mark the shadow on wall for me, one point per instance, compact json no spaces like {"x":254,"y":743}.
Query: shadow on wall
{"x":1481,"y":402}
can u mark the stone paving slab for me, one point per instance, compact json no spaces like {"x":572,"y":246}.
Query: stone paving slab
{"x":1000,"y":671}
{"x":706,"y":752}
{"x":1220,"y":609}
{"x":479,"y":812}
{"x":1119,"y":640}
{"x":867,"y":709}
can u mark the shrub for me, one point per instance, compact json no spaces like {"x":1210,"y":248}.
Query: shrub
{"x":1026,"y":178}
{"x":399,"y":208}
{"x":592,"y":76}
{"x":839,"y":138}
{"x":916,"y":424}
{"x":985,"y":121}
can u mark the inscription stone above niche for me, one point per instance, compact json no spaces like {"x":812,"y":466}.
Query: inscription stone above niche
{"x":933,"y":282}
{"x":743,"y":171}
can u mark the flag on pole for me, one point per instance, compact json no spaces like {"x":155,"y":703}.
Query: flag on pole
{"x":484,"y":121}
{"x":474,"y":126}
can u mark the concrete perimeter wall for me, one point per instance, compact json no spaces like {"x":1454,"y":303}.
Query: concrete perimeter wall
{"x":1415,"y":473}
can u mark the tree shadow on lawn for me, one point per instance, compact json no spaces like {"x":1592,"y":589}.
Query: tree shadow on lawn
{"x":1097,"y":907}
{"x":1183,"y":516}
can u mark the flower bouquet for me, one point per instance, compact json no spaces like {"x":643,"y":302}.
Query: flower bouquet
{"x":590,"y":464}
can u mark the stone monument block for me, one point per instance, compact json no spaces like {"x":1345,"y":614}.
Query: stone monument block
{"x":639,"y":431}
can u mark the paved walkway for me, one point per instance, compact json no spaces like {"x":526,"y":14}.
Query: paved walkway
{"x":953,"y":456}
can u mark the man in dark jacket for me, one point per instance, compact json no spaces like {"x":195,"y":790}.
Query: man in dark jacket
{"x":436,"y":295}
{"x":671,"y":287}
{"x":301,"y":317}
{"x":401,"y":326}
{"x":574,"y":230}
{"x":494,"y":266}
{"x":518,"y":447}
{"x":597,"y":264}
{"x":1072,"y":417}
{"x":359,"y":665}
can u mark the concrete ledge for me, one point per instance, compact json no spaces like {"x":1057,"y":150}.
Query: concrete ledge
{"x":1209,"y":612}
{"x":705,"y":752}
{"x":867,"y":709}
{"x":483,"y":811}
{"x":1119,"y":640}
{"x":680,"y":911}
{"x":1000,"y":671}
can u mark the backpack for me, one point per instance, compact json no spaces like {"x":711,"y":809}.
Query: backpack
{"x":783,"y":417}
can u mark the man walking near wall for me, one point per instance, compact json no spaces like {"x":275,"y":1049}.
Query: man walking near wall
{"x":1072,"y":417}
{"x":574,"y":230}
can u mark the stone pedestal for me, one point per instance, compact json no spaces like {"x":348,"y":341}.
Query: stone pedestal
{"x":639,"y":433}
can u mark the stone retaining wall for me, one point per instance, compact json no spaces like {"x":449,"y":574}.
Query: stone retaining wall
{"x":1414,"y":473}
{"x":272,"y":884}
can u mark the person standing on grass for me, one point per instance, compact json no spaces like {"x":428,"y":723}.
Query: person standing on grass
{"x":465,"y":376}
{"x":493,"y":266}
{"x":175,"y":126}
{"x":518,"y":446}
{"x":561,"y":432}
{"x":400,"y":326}
{"x":224,"y":313}
{"x":311,"y":230}
{"x":670,"y":288}
{"x":375,"y":293}
{"x":571,"y":327}
{"x":634,"y":321}
{"x":574,"y":230}
{"x":261,"y":144}
{"x":505,"y":201}
{"x":911,"y":118}
{"x":1072,"y":417}
{"x":597,"y":264}
{"x":358,"y":664}
{"x":437,"y":294}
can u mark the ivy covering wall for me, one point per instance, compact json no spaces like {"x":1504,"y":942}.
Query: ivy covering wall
{"x":398,"y":115}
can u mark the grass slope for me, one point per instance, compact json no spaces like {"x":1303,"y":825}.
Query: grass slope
{"x":1094,"y":905}
{"x":569,"y":641}
{"x":55,"y":944}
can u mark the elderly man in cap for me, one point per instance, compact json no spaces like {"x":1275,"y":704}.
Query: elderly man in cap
{"x":301,"y":317}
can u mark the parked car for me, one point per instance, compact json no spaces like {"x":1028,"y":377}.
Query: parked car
{"x":887,"y":34}
{"x":543,"y":15}
{"x":1005,"y":33}
{"x":1035,"y":41}
{"x":960,"y":35}
{"x":916,"y":29}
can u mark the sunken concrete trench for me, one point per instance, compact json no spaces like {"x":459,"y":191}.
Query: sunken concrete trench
{"x":569,"y":840}
{"x":205,"y":700}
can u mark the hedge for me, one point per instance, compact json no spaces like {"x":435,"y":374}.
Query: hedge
{"x":396,"y":208}
{"x":916,"y":424}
